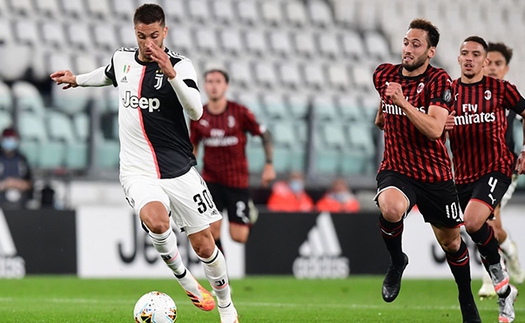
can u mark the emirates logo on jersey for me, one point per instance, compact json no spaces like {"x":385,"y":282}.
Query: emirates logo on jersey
{"x":487,"y":95}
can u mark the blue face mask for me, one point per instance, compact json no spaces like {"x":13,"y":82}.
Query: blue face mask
{"x":9,"y":143}
{"x":296,"y":185}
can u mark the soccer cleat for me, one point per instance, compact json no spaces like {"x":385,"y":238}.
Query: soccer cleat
{"x":392,"y":282}
{"x":206,"y":303}
{"x":228,"y":314}
{"x":487,"y":289}
{"x":500,"y":277}
{"x":516,"y":272}
{"x":506,"y":306}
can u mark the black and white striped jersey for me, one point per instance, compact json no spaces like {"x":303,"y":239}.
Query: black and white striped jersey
{"x":153,"y":133}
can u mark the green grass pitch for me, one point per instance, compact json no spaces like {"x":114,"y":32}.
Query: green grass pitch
{"x":43,"y":299}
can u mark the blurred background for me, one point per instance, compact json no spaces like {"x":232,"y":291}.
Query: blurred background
{"x":303,"y":67}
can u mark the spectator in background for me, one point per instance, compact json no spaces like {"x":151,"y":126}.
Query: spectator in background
{"x":338,"y":199}
{"x":15,"y":174}
{"x":290,"y":196}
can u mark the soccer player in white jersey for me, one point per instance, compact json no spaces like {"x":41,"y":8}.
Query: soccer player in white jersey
{"x":157,"y":163}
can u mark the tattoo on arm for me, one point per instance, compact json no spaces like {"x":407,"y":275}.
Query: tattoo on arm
{"x":268,"y":146}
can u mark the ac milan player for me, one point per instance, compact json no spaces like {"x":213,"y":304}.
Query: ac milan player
{"x":483,"y":164}
{"x":222,"y":129}
{"x":498,"y":59}
{"x":415,"y":102}
{"x":157,"y":172}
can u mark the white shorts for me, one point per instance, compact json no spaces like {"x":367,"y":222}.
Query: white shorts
{"x":186,"y":197}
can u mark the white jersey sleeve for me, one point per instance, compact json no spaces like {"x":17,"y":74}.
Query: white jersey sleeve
{"x":185,"y":86}
{"x":95,"y":78}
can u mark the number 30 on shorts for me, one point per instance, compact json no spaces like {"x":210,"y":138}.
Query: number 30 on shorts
{"x":200,"y":199}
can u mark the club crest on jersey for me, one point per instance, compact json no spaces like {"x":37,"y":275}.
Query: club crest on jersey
{"x":420,"y":87}
{"x":158,"y":79}
{"x":231,"y":121}
{"x":204,"y":123}
{"x":487,"y":95}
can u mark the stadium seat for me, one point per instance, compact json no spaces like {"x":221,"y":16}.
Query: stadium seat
{"x":74,"y":9}
{"x":106,"y":152}
{"x":255,"y":41}
{"x":124,"y":9}
{"x":284,"y":133}
{"x":338,"y":76}
{"x":22,"y":7}
{"x":272,"y":13}
{"x":240,"y":73}
{"x":328,"y":45}
{"x":252,"y":101}
{"x":314,"y":75}
{"x":49,"y":8}
{"x":255,"y":154}
{"x":290,"y":75}
{"x":356,"y":163}
{"x":281,"y":159}
{"x":304,"y":44}
{"x":6,"y":31}
{"x":275,"y":106}
{"x":325,"y":108}
{"x":360,"y":137}
{"x":6,"y":98}
{"x":320,"y":13}
{"x":105,"y":36}
{"x":280,"y":43}
{"x":31,"y":126}
{"x":299,"y":105}
{"x":333,"y":135}
{"x":264,"y":72}
{"x":31,"y":150}
{"x":58,"y":61}
{"x":353,"y":46}
{"x":100,"y":9}
{"x":247,"y":12}
{"x":377,"y":46}
{"x":182,"y":39}
{"x":346,"y":14}
{"x":231,"y":41}
{"x":206,"y":40}
{"x":367,"y":15}
{"x":27,"y":32}
{"x":327,"y":161}
{"x":5,"y":119}
{"x":16,"y":59}
{"x":361,"y":75}
{"x":28,"y":98}
{"x":199,"y":11}
{"x":79,"y":35}
{"x":53,"y":34}
{"x":85,"y":62}
{"x":350,"y":108}
{"x":60,"y":128}
{"x":295,"y":13}
{"x":126,"y":36}
{"x":223,"y":11}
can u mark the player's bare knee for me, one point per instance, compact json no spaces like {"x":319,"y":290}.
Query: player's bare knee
{"x":204,"y":250}
{"x":473,"y":225}
{"x":392,"y":214}
{"x":451,"y":244}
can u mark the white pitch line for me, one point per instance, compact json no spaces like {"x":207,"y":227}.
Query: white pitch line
{"x":255,"y":304}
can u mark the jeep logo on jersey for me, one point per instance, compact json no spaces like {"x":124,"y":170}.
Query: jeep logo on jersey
{"x":133,"y":101}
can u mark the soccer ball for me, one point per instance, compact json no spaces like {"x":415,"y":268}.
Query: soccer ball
{"x":155,"y":307}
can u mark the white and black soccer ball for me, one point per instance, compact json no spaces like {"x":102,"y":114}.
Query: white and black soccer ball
{"x":155,"y":307}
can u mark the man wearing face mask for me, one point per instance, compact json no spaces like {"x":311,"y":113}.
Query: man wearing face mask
{"x":290,"y":196}
{"x":338,"y":199}
{"x":15,"y":174}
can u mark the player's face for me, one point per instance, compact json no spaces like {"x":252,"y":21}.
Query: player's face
{"x":416,"y":52}
{"x":496,"y":65}
{"x":472,"y":59}
{"x":149,"y":33}
{"x":215,"y":86}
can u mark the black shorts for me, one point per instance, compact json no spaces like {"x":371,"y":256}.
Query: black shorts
{"x":236,"y":201}
{"x":437,"y":202}
{"x":489,"y":189}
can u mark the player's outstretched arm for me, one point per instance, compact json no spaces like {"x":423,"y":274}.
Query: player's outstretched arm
{"x":95,"y":78}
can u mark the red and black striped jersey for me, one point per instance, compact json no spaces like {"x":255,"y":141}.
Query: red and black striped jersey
{"x":407,"y":150}
{"x":477,"y":140}
{"x":224,"y":139}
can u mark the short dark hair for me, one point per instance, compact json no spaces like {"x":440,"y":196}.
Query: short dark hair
{"x":478,"y":40}
{"x":223,"y":72}
{"x":432,"y":31}
{"x":149,"y":13}
{"x":505,"y":50}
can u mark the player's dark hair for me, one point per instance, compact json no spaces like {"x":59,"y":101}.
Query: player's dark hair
{"x":432,"y":31}
{"x":505,"y":50}
{"x":224,"y":73}
{"x":149,"y":13}
{"x":478,"y":40}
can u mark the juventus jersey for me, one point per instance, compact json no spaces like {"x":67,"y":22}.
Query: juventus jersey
{"x":153,"y":133}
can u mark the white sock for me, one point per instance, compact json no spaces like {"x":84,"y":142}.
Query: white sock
{"x":216,"y":272}
{"x":507,"y":247}
{"x":166,"y":245}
